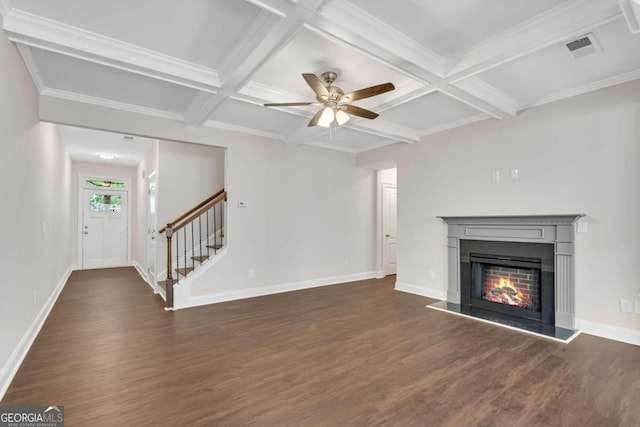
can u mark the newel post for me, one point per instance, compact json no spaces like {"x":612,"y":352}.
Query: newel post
{"x":169,"y":289}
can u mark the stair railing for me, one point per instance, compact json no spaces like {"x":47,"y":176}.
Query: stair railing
{"x":201,"y":230}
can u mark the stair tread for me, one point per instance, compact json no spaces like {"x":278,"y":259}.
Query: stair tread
{"x":200,"y":258}
{"x":214,"y":246}
{"x":184,"y":271}
{"x":163,"y":284}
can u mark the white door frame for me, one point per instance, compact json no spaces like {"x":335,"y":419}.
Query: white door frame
{"x":383,"y":230}
{"x":81,"y":187}
{"x":148,"y":226}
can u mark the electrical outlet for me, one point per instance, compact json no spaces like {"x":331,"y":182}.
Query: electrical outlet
{"x":251,"y":273}
{"x":637,"y":307}
{"x":432,"y":275}
{"x":626,"y":306}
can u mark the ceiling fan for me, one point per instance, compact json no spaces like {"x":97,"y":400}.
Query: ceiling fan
{"x":334,"y":101}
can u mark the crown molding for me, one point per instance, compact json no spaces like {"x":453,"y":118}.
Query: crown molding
{"x":327,"y":146}
{"x":371,"y":28}
{"x":483,"y":90}
{"x":631,"y":16}
{"x":244,"y":130}
{"x":590,"y":87}
{"x":455,"y":124}
{"x":43,"y":33}
{"x":385,"y":129}
{"x":343,"y":149}
{"x":29,"y":61}
{"x":571,"y":19}
{"x":107,"y":103}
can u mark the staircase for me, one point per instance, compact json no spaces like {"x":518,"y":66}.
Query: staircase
{"x":193,"y":239}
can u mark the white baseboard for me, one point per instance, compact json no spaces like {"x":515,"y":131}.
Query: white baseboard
{"x":142,"y":274}
{"x":20,"y":352}
{"x":274,"y":289}
{"x":419,"y":290}
{"x":617,"y":333}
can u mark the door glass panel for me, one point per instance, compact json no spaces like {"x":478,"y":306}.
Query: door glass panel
{"x":103,"y":183}
{"x":105,"y":203}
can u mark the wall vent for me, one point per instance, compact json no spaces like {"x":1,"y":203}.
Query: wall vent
{"x":583,"y":46}
{"x":128,"y":138}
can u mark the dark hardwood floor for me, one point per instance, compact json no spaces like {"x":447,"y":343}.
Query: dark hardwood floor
{"x":358,"y":354}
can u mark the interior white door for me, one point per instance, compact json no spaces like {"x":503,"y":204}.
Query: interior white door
{"x":152,"y":203}
{"x":389,"y":221}
{"x":104,"y":228}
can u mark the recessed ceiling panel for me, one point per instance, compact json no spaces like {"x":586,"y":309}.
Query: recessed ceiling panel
{"x":447,"y":27}
{"x":553,"y":70}
{"x":253,"y":116}
{"x":199,"y":31}
{"x":87,"y":78}
{"x":311,"y":53}
{"x":429,"y":111}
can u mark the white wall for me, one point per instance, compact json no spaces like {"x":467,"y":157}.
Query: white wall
{"x":577,"y":156}
{"x":35,"y":175}
{"x":188,"y":174}
{"x":309,"y":209}
{"x":99,"y":170}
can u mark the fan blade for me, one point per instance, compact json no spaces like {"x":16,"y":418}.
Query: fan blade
{"x":316,"y":118}
{"x":316,"y":84}
{"x":367,"y":92}
{"x":289,"y":104}
{"x":360,"y":112}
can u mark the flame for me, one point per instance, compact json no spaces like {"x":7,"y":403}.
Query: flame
{"x":505,"y":292}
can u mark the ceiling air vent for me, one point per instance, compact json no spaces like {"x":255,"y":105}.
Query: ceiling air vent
{"x":127,"y":138}
{"x":585,"y":45}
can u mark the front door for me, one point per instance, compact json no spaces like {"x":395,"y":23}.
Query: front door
{"x":104,"y":228}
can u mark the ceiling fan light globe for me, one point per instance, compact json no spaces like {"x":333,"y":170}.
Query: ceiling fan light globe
{"x":327,"y":117}
{"x":341,"y":117}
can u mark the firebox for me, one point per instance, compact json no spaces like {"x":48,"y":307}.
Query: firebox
{"x":512,"y":278}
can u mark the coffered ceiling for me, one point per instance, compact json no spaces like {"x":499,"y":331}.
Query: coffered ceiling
{"x":215,"y":62}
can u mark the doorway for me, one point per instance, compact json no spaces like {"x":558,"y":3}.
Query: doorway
{"x":388,"y":213}
{"x":104,"y":237}
{"x":152,"y":205}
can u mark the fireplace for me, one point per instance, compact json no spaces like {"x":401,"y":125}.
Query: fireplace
{"x":502,"y":268}
{"x":514,"y":279}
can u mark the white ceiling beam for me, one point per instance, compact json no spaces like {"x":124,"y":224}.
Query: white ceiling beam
{"x":484,"y":91}
{"x":631,"y":14}
{"x":42,"y":33}
{"x":382,"y":38}
{"x":392,"y":52}
{"x":273,"y":30}
{"x":560,"y":24}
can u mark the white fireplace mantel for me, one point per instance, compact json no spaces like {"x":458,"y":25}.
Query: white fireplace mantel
{"x":558,"y":230}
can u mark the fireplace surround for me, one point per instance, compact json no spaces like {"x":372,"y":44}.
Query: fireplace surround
{"x":526,"y":252}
